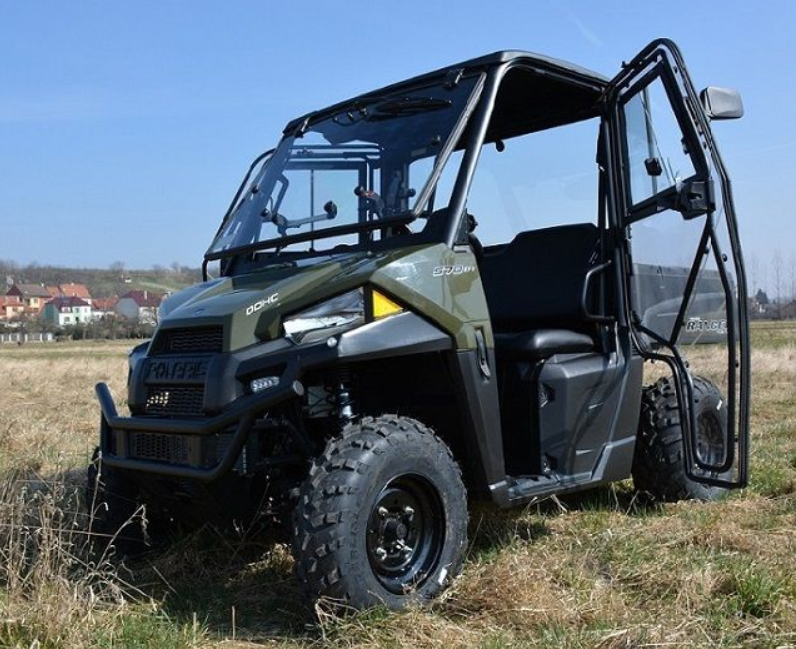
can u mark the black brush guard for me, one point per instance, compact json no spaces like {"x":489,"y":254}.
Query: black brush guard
{"x":241,"y":415}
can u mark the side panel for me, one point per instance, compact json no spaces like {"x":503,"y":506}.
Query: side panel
{"x":445,"y":286}
{"x":477,"y":402}
{"x":580,"y":398}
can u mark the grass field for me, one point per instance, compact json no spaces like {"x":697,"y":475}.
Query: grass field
{"x":599,"y":570}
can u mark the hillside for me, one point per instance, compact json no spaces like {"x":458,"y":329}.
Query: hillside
{"x":105,"y":282}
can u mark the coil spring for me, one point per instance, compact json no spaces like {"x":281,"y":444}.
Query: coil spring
{"x":340,"y":381}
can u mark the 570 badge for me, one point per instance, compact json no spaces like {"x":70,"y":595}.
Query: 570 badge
{"x":445,"y":271}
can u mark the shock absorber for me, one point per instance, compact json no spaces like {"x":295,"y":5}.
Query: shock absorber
{"x":340,"y":380}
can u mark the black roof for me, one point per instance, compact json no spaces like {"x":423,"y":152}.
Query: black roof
{"x":540,"y":61}
{"x":531,"y":58}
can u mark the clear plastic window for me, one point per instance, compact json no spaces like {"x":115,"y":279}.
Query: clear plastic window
{"x":538,"y":180}
{"x":656,"y":150}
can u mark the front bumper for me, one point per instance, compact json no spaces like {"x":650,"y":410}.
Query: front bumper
{"x":115,"y":432}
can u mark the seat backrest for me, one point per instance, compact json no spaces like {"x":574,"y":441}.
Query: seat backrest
{"x":537,"y":279}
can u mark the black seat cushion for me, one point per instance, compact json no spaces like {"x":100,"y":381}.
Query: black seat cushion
{"x":540,"y":344}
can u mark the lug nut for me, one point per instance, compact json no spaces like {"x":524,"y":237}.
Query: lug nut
{"x":405,"y":549}
{"x":382,"y":512}
{"x":381,"y":553}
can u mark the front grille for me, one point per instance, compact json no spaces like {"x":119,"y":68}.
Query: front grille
{"x":183,"y":450}
{"x":179,"y":401}
{"x":174,"y":449}
{"x":189,"y":340}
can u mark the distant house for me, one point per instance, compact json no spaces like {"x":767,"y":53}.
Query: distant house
{"x":70,"y":290}
{"x":76,"y":290}
{"x":139,"y":306}
{"x":11,"y":306}
{"x":33,"y":296}
{"x":65,"y":311}
{"x":102,"y":307}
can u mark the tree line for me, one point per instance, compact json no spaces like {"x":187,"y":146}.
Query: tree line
{"x":103,"y":282}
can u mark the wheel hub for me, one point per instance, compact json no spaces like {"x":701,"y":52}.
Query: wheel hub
{"x":392,"y":534}
{"x":405,"y":534}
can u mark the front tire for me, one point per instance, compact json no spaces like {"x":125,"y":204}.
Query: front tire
{"x":659,"y":460}
{"x":382,"y":517}
{"x":116,"y":517}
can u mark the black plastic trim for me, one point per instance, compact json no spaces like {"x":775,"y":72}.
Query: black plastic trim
{"x":479,"y":410}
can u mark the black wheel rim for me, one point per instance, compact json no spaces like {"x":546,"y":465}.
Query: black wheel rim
{"x":406,"y":532}
{"x":710,"y":440}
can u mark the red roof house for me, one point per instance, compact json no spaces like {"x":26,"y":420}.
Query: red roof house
{"x":141,"y":306}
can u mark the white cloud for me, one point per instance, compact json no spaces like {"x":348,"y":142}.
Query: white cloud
{"x":587,"y":33}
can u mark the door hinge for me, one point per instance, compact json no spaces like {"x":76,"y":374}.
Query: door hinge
{"x":695,"y":198}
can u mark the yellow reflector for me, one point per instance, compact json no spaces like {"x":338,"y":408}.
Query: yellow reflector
{"x":383,"y":306}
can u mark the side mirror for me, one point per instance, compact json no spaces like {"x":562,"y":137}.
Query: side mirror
{"x":721,"y":103}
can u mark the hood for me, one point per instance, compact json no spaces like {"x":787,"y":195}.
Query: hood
{"x":250,"y":307}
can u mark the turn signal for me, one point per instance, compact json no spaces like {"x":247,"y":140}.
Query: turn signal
{"x":384,"y":306}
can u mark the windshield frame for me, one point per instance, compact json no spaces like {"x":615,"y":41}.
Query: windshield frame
{"x":302,"y":126}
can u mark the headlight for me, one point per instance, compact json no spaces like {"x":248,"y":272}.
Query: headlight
{"x":137,"y":353}
{"x":344,"y":311}
{"x":167,"y":306}
{"x":264,"y":383}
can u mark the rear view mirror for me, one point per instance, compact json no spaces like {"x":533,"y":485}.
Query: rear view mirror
{"x":722,"y":103}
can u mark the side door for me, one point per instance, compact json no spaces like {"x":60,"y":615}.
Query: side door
{"x":683,"y":269}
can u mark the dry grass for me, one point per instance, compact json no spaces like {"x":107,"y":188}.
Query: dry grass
{"x":599,"y":570}
{"x":50,"y":415}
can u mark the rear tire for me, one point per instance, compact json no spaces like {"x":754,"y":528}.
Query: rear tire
{"x":382,"y":517}
{"x":659,"y":460}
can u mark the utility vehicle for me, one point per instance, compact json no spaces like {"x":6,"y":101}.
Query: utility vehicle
{"x":453,"y":287}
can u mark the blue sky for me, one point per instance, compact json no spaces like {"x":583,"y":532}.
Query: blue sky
{"x":125,"y":128}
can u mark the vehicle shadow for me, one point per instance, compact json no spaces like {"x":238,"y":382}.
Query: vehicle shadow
{"x":244,"y":587}
{"x":240,"y":588}
{"x":492,"y":529}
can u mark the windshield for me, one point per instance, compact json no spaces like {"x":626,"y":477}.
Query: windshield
{"x":357,"y":176}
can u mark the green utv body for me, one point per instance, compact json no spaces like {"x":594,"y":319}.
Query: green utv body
{"x":379,"y":345}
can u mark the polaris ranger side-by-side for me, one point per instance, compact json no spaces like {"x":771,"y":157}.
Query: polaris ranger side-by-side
{"x":401,"y":320}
